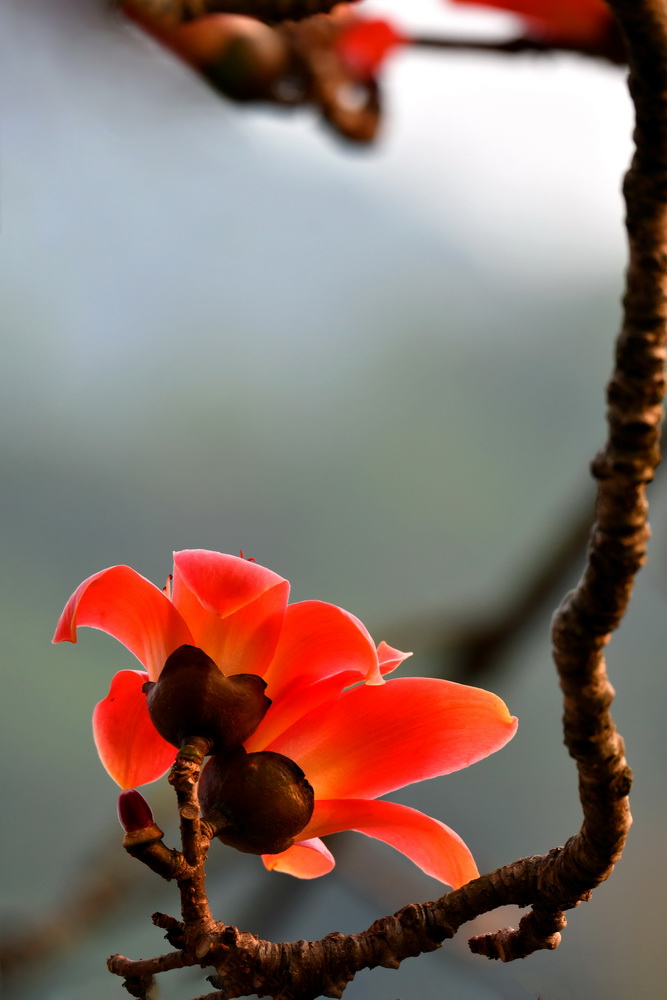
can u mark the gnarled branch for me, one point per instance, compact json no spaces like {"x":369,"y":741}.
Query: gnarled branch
{"x":553,"y":883}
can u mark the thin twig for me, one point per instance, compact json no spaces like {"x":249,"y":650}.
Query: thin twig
{"x":184,"y":776}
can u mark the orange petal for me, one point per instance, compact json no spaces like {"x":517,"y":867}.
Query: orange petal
{"x":305,"y":859}
{"x":222,"y":583}
{"x":129,"y":746}
{"x":130,"y":608}
{"x":432,"y":846}
{"x":317,"y":641}
{"x":234,"y":608}
{"x":368,"y":741}
{"x":286,"y":711}
{"x":322,"y":650}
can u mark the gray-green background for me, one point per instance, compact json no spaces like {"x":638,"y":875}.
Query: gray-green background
{"x":380,"y":373}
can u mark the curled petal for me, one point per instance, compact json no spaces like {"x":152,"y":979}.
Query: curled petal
{"x":317,"y":641}
{"x":305,"y":859}
{"x":129,"y":746}
{"x":234,"y":608}
{"x":368,"y":741}
{"x":127,"y":606}
{"x":432,"y":846}
{"x":389,"y":658}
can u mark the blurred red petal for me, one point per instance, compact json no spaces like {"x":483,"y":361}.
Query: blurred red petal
{"x":577,"y":21}
{"x":127,"y":606}
{"x":129,"y":746}
{"x":305,"y":859}
{"x":432,"y":846}
{"x":234,"y":608}
{"x":368,"y":741}
{"x":364,"y":45}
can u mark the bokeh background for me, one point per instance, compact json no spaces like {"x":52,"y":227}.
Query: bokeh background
{"x":380,"y":372}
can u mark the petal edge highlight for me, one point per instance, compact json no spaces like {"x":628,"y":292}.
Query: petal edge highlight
{"x":431,"y":845}
{"x":131,"y":749}
{"x":369,"y":741}
{"x":305,"y":859}
{"x":319,"y":640}
{"x":221,"y":583}
{"x":124,"y":604}
{"x":234,"y":608}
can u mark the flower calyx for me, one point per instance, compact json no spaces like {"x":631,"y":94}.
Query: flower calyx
{"x":193,"y":698}
{"x":263,"y":800}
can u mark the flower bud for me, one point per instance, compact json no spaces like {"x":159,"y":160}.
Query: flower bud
{"x":192,"y":697}
{"x":134,"y":812}
{"x":242,"y":57}
{"x":264,"y":797}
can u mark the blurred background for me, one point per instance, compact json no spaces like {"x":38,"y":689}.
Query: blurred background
{"x":378,"y":371}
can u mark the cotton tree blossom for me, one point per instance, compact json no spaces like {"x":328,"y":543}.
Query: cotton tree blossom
{"x":355,"y":735}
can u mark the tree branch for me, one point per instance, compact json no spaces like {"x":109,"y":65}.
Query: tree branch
{"x":559,"y":880}
{"x":172,"y":12}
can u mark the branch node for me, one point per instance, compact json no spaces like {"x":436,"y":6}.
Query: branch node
{"x":539,"y":930}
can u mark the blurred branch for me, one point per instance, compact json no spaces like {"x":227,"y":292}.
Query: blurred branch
{"x":103,"y":885}
{"x":291,"y":64}
{"x":610,"y":47}
{"x":477,"y":645}
{"x":482,"y":644}
{"x":469,"y":645}
{"x":297,"y":53}
{"x":173,"y":12}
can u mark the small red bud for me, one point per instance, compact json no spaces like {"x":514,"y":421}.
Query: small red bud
{"x":134,"y":812}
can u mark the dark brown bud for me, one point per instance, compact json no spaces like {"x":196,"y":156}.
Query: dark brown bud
{"x":264,"y":797}
{"x":134,"y":812}
{"x":192,"y":697}
{"x":250,"y":58}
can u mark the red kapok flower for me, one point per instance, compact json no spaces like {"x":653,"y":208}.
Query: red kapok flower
{"x":355,"y":736}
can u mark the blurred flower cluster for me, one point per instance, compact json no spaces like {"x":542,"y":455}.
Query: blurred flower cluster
{"x":333,"y":60}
